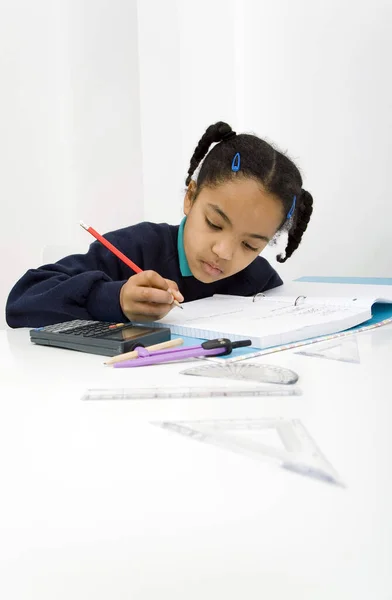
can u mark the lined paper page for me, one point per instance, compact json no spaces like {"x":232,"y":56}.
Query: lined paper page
{"x":267,"y":321}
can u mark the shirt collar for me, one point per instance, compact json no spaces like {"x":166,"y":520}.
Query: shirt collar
{"x":184,"y":267}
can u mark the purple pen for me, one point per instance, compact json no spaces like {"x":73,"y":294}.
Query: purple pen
{"x":219,"y":346}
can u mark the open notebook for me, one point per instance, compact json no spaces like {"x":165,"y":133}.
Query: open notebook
{"x":271,"y":320}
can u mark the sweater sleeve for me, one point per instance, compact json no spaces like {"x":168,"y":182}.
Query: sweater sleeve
{"x":273,"y":281}
{"x":81,"y":286}
{"x":261,"y":276}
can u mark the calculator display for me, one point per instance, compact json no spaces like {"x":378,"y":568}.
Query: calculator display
{"x":128,"y":333}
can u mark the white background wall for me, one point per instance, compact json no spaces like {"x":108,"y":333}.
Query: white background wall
{"x":70,"y":138}
{"x":318,"y":82}
{"x":103,"y":102}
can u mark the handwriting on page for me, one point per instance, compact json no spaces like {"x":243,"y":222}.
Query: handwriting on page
{"x":303,"y":310}
{"x":259,"y":313}
{"x":215,"y":307}
{"x":267,"y":316}
{"x":223,"y":314}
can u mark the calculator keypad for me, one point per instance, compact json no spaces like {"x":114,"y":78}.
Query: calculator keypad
{"x":83,"y":328}
{"x":66,"y":326}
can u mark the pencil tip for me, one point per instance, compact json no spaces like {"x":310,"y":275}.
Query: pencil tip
{"x":83,"y":225}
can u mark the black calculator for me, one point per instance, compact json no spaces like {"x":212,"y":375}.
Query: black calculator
{"x":98,"y":337}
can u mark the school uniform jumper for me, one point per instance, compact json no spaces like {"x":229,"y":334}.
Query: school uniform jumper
{"x":87,"y":286}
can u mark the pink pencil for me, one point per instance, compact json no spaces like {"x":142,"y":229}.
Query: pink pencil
{"x":117,"y":252}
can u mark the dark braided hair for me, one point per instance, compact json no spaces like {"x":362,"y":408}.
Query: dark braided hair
{"x":261,"y":162}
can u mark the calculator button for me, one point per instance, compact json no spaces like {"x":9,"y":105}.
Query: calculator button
{"x":77,"y":331}
{"x":94,"y":332}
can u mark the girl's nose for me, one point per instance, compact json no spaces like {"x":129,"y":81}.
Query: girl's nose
{"x":223,"y":249}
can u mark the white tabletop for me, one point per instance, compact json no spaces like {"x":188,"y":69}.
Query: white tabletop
{"x":98,"y":503}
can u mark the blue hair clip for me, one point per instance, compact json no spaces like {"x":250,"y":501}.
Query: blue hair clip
{"x":235,"y":165}
{"x":291,"y":211}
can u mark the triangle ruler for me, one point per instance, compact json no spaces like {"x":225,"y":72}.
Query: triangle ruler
{"x":284,"y":442}
{"x":345,"y":351}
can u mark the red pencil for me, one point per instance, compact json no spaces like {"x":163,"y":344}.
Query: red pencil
{"x":117,"y":252}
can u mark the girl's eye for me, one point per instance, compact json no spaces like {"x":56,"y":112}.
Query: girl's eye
{"x":216,"y":227}
{"x":249,"y":247}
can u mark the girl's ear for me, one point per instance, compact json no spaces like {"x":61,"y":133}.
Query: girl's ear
{"x":189,"y":197}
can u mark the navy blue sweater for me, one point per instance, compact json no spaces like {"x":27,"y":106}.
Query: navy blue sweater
{"x":87,"y":286}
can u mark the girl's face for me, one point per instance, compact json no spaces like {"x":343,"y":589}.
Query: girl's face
{"x":227,"y":227}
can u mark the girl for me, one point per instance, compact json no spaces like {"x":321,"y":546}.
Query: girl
{"x":245,"y":193}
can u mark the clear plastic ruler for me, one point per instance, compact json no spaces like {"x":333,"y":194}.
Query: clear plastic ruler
{"x":187,"y":392}
{"x":285,"y":442}
{"x":345,"y":350}
{"x":245,"y":371}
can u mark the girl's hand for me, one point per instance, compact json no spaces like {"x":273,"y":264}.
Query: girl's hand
{"x":148,"y":297}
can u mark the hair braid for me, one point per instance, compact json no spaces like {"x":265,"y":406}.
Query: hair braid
{"x":304,"y":212}
{"x":215,"y":133}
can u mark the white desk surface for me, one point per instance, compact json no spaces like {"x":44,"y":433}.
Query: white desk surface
{"x":96,"y":503}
